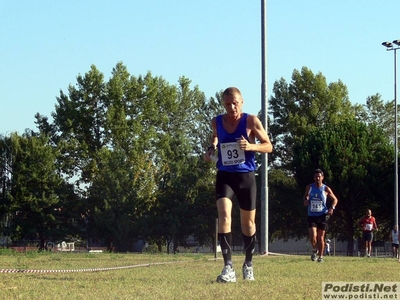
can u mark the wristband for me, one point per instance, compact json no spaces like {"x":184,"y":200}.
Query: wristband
{"x":210,"y":147}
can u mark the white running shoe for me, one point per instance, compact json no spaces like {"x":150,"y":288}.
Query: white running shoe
{"x":248,"y":273}
{"x":227,"y":275}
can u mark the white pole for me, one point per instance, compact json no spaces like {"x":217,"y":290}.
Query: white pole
{"x":264,"y":115}
{"x":396,"y":141}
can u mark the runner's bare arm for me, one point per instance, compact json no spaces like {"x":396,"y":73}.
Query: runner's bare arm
{"x":258,"y":131}
{"x":214,"y":141}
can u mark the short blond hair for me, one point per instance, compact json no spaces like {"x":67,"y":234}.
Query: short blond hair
{"x":230,"y":91}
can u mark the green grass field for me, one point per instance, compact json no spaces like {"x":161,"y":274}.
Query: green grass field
{"x":183,"y":276}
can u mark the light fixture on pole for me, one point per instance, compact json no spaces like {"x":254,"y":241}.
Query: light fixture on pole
{"x":390,"y":47}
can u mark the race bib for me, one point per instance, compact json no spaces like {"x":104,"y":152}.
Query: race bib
{"x":316,"y":206}
{"x":368,"y":227}
{"x":231,"y":154}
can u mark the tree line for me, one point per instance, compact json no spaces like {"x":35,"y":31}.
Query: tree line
{"x":121,"y":160}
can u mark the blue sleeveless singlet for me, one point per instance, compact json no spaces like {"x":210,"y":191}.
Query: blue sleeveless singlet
{"x":230,"y":157}
{"x":317,"y":201}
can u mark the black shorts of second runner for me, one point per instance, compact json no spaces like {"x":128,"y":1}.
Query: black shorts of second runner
{"x":243,"y":185}
{"x":321,"y":222}
{"x":368,"y":236}
{"x":395,"y":245}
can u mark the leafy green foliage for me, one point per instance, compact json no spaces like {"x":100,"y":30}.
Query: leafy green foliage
{"x":133,"y":146}
{"x":38,"y":194}
{"x":288,"y":216}
{"x":307,"y":102}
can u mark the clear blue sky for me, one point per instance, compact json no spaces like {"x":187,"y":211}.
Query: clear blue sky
{"x":45,"y":44}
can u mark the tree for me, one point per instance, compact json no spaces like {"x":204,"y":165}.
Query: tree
{"x":287,"y":218}
{"x":121,"y":193}
{"x":377,"y":112}
{"x":296,"y":108}
{"x":357,"y":160}
{"x":5,"y":186}
{"x":38,"y":195}
{"x":307,"y":102}
{"x":129,"y":145}
{"x":180,"y":165}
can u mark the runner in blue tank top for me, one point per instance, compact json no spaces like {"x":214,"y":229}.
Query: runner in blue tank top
{"x":234,"y":135}
{"x":315,"y":198}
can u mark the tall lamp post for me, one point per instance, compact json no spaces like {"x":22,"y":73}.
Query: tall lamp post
{"x":264,"y":119}
{"x":390,"y":47}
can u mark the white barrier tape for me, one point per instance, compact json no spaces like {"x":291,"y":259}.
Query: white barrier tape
{"x":82,"y":270}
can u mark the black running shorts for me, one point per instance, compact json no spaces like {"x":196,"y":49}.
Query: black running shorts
{"x":368,"y":236}
{"x":321,"y":222}
{"x":243,"y":185}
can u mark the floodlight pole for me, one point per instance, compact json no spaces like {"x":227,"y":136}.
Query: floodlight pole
{"x":389,"y":47}
{"x":264,"y":116}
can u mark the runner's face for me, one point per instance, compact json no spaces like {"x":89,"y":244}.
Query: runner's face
{"x":233,"y":105}
{"x":318,"y":177}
